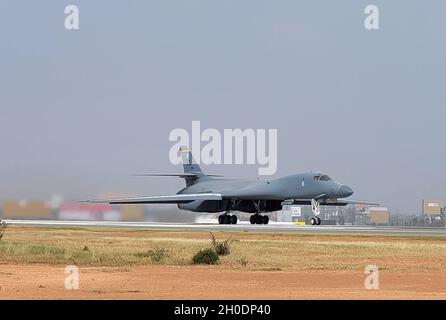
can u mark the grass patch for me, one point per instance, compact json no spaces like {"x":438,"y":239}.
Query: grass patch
{"x":118,"y":248}
{"x":222,"y":248}
{"x":156,"y":254}
{"x":242,"y":261}
{"x":2,"y":229}
{"x":206,"y":256}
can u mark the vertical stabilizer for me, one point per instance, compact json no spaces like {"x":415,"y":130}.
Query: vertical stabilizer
{"x":189,"y":166}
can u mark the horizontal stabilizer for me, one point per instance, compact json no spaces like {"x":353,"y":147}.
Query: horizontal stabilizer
{"x":180,"y":175}
{"x":346,"y":201}
{"x":331,"y":202}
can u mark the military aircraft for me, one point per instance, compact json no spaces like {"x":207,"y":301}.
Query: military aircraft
{"x":210,"y":193}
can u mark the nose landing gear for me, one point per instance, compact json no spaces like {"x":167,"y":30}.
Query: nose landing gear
{"x":315,"y":221}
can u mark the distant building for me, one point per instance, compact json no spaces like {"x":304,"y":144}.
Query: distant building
{"x":432,"y":212}
{"x":14,"y":209}
{"x":302,"y":214}
{"x":290,"y":214}
{"x":378,"y":216}
{"x":132,"y":212}
{"x":432,"y":207}
{"x":87,"y":211}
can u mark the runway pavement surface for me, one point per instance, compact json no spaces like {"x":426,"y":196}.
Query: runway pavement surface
{"x":241,"y":226}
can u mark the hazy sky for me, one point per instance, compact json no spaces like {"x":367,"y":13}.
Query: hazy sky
{"x":81,"y":110}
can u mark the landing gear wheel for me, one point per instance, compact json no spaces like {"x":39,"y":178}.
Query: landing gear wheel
{"x":227,"y":219}
{"x":221,"y":219}
{"x":313,"y":221}
{"x":259,"y":219}
{"x":318,"y":221}
{"x":234,"y":219}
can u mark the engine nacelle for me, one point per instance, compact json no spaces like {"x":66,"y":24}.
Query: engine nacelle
{"x":204,"y":206}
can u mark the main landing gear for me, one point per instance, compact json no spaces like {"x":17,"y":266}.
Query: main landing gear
{"x":227,"y":218}
{"x":257,"y":218}
{"x":315,"y":221}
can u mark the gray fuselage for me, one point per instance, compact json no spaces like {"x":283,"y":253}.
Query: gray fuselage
{"x":240,"y":195}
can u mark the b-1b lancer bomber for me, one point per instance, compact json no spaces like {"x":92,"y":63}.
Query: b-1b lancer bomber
{"x":209,"y":193}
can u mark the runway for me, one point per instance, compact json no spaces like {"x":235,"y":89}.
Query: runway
{"x":242,"y":226}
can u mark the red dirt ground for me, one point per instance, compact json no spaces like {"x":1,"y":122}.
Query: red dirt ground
{"x":211,"y":282}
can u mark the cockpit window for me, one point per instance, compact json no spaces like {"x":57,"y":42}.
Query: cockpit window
{"x":322,"y":177}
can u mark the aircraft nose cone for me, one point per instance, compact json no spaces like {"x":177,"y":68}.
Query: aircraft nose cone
{"x":345,"y":191}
